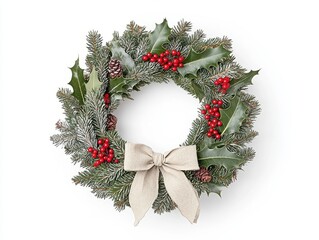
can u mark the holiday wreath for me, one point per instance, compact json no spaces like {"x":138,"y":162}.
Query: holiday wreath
{"x":132,"y":174}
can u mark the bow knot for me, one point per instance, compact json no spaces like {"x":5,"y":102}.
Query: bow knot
{"x":147,"y":165}
{"x":158,"y":159}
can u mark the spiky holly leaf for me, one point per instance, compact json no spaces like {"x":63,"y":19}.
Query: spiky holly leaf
{"x":233,"y":116}
{"x":245,"y":80}
{"x":122,"y":86}
{"x":219,"y":156}
{"x":94,"y":82}
{"x":159,"y":36}
{"x":209,"y":57}
{"x":119,"y":53}
{"x":198,"y":91}
{"x":77,"y":82}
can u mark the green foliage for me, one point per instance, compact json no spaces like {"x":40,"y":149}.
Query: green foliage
{"x":77,"y":82}
{"x":208,"y":58}
{"x":159,"y":36}
{"x":94,"y":82}
{"x":119,"y":53}
{"x":233,"y":116}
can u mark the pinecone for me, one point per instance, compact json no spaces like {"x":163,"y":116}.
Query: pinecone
{"x":203,"y":175}
{"x":111,"y":122}
{"x":115,"y":69}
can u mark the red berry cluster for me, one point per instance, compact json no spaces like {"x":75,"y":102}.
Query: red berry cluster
{"x":168,"y":59}
{"x":103,"y":154}
{"x":212,"y":115}
{"x":223,"y":83}
{"x":107,"y":99}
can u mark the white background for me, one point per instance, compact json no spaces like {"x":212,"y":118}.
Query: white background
{"x":276,"y":197}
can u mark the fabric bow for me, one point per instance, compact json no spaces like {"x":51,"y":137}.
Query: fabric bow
{"x":147,"y":165}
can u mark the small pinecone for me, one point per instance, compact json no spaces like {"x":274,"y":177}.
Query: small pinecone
{"x":115,"y":69}
{"x":203,"y":175}
{"x":111,"y":122}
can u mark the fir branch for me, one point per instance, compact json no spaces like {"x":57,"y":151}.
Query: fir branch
{"x":96,"y":107}
{"x":199,"y":127}
{"x":213,"y":43}
{"x":85,"y":129}
{"x":163,"y":202}
{"x":181,"y":30}
{"x":227,"y":68}
{"x":70,"y":104}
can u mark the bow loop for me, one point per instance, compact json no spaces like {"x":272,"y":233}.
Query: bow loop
{"x":144,"y":188}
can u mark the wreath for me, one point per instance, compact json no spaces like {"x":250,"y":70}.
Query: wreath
{"x":216,"y":146}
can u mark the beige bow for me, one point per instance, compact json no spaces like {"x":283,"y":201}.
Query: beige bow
{"x":147,"y":164}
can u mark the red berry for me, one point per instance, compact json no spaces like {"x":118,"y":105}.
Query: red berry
{"x":100,"y":161}
{"x":105,"y":158}
{"x":101,"y":155}
{"x":217,"y":114}
{"x":217,"y":136}
{"x":149,"y":55}
{"x":203,"y":111}
{"x":181,"y":59}
{"x":211,"y":130}
{"x":174,"y":69}
{"x":215,"y":132}
{"x":209,"y":134}
{"x":152,"y":59}
{"x":175,"y":61}
{"x":94,"y":155}
{"x":226,"y":80}
{"x":106,"y":145}
{"x":219,"y":123}
{"x":165,"y":59}
{"x":144,"y":58}
{"x":102,"y":149}
{"x":207,"y":106}
{"x":207,"y":117}
{"x":215,"y":121}
{"x":170,"y":64}
{"x":214,"y":101}
{"x":220,"y":102}
{"x":181,"y":65}
{"x":215,"y":109}
{"x":116,"y":161}
{"x":96,"y":164}
{"x":162,"y":55}
{"x":90,"y":149}
{"x":100,"y":141}
{"x":178,"y":53}
{"x":166,"y":67}
{"x":167,"y":52}
{"x":209,"y":123}
{"x":220,"y":80}
{"x":174,"y":52}
{"x":109,"y":159}
{"x":160,"y":60}
{"x":225,"y":86}
{"x":216,"y":83}
{"x":111,"y":150}
{"x":211,"y":112}
{"x":213,"y":124}
{"x":94,"y":151}
{"x":155,"y":56}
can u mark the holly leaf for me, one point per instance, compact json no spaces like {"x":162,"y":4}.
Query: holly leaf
{"x":245,"y":80}
{"x":122,"y":86}
{"x":209,"y":57}
{"x":198,"y":91}
{"x":77,"y":82}
{"x":219,"y":156}
{"x":94,"y":82}
{"x":233,"y":116}
{"x":119,"y":53}
{"x":159,"y":36}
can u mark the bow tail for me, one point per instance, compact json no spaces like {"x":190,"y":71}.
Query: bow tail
{"x":144,"y":191}
{"x":182,"y":193}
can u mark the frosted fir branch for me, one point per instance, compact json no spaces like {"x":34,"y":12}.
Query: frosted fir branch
{"x":196,"y":38}
{"x":70,"y":104}
{"x":227,"y":68}
{"x":197,"y":131}
{"x":225,"y":42}
{"x":181,"y":29}
{"x":85,"y":130}
{"x":163,"y":202}
{"x":96,"y":107}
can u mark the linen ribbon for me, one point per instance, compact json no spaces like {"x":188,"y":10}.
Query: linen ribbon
{"x":147,"y":165}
